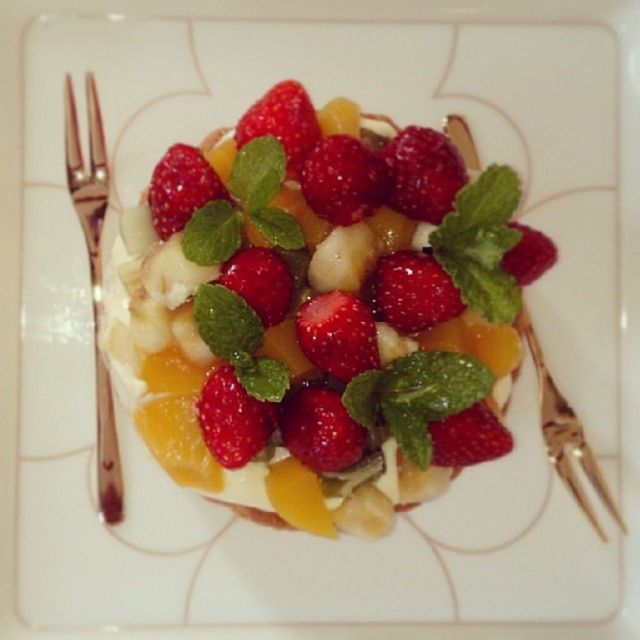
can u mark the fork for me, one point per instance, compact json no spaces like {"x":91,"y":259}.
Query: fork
{"x":562,"y":429}
{"x":89,"y":190}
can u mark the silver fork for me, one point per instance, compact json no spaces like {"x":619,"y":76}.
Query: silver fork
{"x":89,"y":192}
{"x":562,"y":430}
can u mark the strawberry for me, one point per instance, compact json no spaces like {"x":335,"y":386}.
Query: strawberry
{"x":285,"y":112}
{"x":531,"y":257}
{"x":336,"y":332}
{"x":317,"y":430}
{"x":342,"y":180}
{"x":472,"y":436}
{"x":182,"y":182}
{"x":234,"y":425}
{"x":426,"y":173}
{"x":413,"y":292}
{"x":262,"y":278}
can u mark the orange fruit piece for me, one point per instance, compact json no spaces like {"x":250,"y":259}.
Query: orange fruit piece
{"x":295,"y":494}
{"x":281,"y":343}
{"x":314,"y":228}
{"x":340,"y":115}
{"x":497,"y":346}
{"x":445,"y":336}
{"x":170,"y":429}
{"x":393,"y":229}
{"x":170,"y":371}
{"x":221,"y":158}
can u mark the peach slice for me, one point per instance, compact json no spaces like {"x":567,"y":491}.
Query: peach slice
{"x":280,"y":343}
{"x":445,"y":336}
{"x":497,"y":346}
{"x":170,"y":371}
{"x":294,"y":492}
{"x":314,"y":228}
{"x":394,"y":230}
{"x":339,"y":116}
{"x":221,"y":158}
{"x":169,"y":428}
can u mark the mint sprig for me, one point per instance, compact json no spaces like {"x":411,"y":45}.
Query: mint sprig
{"x":233,"y":331}
{"x":279,"y":227}
{"x":256,"y":176}
{"x":471,"y":241}
{"x":410,"y":431}
{"x":213,"y":234}
{"x":435,"y":383}
{"x":257,"y":172}
{"x":423,"y":386}
{"x":264,"y":379}
{"x":360,"y":398}
{"x":226,"y":322}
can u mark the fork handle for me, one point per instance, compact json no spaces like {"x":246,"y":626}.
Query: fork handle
{"x":109,"y":467}
{"x":110,"y":483}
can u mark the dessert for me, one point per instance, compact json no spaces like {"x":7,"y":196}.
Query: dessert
{"x":311,"y":316}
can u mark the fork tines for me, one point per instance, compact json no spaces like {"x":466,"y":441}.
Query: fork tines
{"x":76,"y":173}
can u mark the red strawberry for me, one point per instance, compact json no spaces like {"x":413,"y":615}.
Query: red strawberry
{"x":413,"y":292}
{"x":235,"y":426}
{"x":531,"y":257}
{"x":285,"y":112}
{"x":262,"y":278}
{"x":472,"y":436}
{"x":337,"y":333}
{"x":182,"y":182}
{"x":426,"y":173}
{"x":317,"y":429}
{"x":342,"y":180}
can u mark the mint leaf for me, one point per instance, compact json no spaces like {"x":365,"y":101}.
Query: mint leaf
{"x":471,"y":241}
{"x":482,"y":245}
{"x":410,"y":431}
{"x":264,"y":379}
{"x":360,"y":398}
{"x":226,"y":322}
{"x":213,"y":234}
{"x":435,"y":383}
{"x":494,"y":293}
{"x":281,"y":228}
{"x":257,"y":172}
{"x":491,"y":199}
{"x":241,"y":359}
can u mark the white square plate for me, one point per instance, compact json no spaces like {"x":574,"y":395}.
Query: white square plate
{"x":507,"y":545}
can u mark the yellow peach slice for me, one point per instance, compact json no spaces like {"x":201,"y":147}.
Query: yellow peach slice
{"x":340,"y":116}
{"x":170,"y":371}
{"x":169,"y":428}
{"x":295,"y":494}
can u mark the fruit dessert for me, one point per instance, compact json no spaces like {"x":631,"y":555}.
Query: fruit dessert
{"x":311,"y":316}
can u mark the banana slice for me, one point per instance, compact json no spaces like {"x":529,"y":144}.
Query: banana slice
{"x":366,"y":513}
{"x":136,"y":229}
{"x":421,"y":235}
{"x":129,"y":274}
{"x":150,"y":323}
{"x":391,"y":344}
{"x":184,"y":330}
{"x":122,"y":347}
{"x":168,"y":277}
{"x":417,"y":485}
{"x":344,"y":258}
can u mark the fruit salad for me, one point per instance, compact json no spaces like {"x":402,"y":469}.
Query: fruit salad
{"x":312,"y":316}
